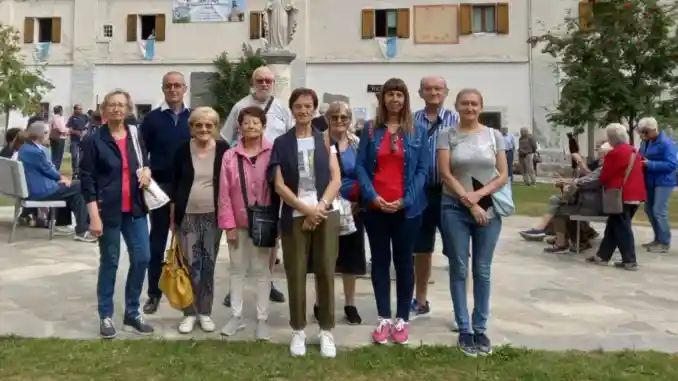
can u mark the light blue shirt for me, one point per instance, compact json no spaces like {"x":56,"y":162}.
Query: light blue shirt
{"x":510,"y":142}
{"x":446,"y":119}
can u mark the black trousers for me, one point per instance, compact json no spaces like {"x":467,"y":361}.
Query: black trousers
{"x":619,"y":234}
{"x":160,"y":224}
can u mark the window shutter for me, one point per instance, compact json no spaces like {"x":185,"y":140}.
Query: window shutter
{"x":56,"y":30}
{"x":465,"y":19}
{"x":29,"y":30}
{"x":368,"y":24}
{"x":403,"y":23}
{"x":132,"y":28}
{"x":255,"y":25}
{"x":585,"y":16}
{"x":502,"y":18}
{"x":160,"y":27}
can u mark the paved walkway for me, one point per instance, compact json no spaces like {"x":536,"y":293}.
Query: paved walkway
{"x":47,"y":289}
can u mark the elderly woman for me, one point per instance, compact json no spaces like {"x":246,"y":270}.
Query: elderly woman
{"x":306,"y":176}
{"x":244,"y":167}
{"x":659,"y":162}
{"x":113,"y":171}
{"x":193,"y":211}
{"x":621,"y":169}
{"x":476,"y":169}
{"x":392,"y":170}
{"x":45,"y":183}
{"x":351,"y":258}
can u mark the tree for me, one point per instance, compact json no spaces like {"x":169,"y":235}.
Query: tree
{"x":232,"y":81}
{"x":620,"y":60}
{"x":21,"y":87}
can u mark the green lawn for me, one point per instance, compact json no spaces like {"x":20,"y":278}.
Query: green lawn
{"x":151,"y":360}
{"x":531,"y":201}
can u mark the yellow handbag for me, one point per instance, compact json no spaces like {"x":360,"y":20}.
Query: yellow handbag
{"x":175,"y":281}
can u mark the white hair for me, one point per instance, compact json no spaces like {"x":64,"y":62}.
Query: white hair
{"x":616,"y":134}
{"x":36,"y":130}
{"x":647,"y":124}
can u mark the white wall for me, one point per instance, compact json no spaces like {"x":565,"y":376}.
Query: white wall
{"x":504,"y":86}
{"x":335,"y":35}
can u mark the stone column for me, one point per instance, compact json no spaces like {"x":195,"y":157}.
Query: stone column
{"x":85,"y":33}
{"x":280,"y":64}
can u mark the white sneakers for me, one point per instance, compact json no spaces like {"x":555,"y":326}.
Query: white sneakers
{"x":328,"y":348}
{"x":188,"y":324}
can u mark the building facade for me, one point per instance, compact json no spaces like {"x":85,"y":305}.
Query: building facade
{"x":344,"y":49}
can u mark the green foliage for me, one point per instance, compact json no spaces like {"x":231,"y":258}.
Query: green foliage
{"x":21,"y":87}
{"x":232,"y":80}
{"x":622,"y":67}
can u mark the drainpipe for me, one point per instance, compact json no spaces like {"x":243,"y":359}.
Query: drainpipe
{"x":530,"y":63}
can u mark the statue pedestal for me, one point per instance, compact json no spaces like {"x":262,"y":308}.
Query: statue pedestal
{"x":279,"y":63}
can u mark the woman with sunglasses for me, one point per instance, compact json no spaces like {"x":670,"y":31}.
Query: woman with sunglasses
{"x":392,"y":169}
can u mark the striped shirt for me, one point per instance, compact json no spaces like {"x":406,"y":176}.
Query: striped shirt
{"x":446,"y":119}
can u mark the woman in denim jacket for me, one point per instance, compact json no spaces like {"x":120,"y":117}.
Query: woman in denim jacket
{"x":476,"y":168}
{"x":392,"y":169}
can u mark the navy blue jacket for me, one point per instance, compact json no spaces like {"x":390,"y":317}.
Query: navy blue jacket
{"x":163,"y":137}
{"x":101,"y":175}
{"x":661,"y":161}
{"x":284,"y":155}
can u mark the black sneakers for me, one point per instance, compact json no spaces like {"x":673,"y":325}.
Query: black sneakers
{"x":107,"y":329}
{"x":466,"y":345}
{"x":483,"y":344}
{"x":137,"y":325}
{"x":352,"y":315}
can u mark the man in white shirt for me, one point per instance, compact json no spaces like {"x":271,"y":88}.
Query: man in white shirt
{"x":278,"y":116}
{"x":278,"y":121}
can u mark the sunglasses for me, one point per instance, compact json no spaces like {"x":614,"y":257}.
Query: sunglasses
{"x":264,"y":81}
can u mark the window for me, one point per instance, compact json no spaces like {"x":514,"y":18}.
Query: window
{"x":44,"y":110}
{"x":257,"y":30}
{"x":490,"y":119}
{"x":48,"y":30}
{"x":108,"y":31}
{"x":386,"y":23}
{"x":141,"y":27}
{"x":484,"y":19}
{"x":142,"y":111}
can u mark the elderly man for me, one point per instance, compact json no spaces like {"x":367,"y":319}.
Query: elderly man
{"x":46,"y":184}
{"x":164,"y":130}
{"x":659,"y":164}
{"x":77,"y":126}
{"x":433,"y":90}
{"x":278,"y":121}
{"x":527,"y":148}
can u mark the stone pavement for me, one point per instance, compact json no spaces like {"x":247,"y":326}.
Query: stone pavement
{"x":47,"y":289}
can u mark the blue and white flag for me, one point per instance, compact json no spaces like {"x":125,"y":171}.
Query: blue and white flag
{"x":388,"y":46}
{"x":41,"y":52}
{"x":147,"y":48}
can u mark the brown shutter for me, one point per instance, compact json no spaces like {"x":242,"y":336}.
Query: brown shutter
{"x":29,"y":30}
{"x":465,"y":19}
{"x":368,"y":24}
{"x":585,"y":16}
{"x":132,"y":28}
{"x":403,"y":23}
{"x":56,"y":30}
{"x":502,"y":18}
{"x":255,"y":25}
{"x":160,"y":27}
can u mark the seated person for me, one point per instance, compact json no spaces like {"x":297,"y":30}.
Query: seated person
{"x":578,"y":196}
{"x":45,"y":183}
{"x":9,"y":148}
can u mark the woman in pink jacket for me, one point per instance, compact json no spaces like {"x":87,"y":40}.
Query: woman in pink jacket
{"x":246,"y":259}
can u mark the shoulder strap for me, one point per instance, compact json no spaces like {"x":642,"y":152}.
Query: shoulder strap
{"x":268,"y":105}
{"x":629,"y":167}
{"x":341,"y":166}
{"x":135,"y":143}
{"x":241,"y":173}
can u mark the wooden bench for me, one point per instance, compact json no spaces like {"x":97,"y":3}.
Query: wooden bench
{"x":13,"y":185}
{"x":580,"y":219}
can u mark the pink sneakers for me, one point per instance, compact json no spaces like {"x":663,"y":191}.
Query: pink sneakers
{"x":381,"y":334}
{"x":400,"y":333}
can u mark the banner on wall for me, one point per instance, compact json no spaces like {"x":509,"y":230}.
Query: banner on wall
{"x":198,"y":11}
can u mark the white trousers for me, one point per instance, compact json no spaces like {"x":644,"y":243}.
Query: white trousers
{"x":250,"y":261}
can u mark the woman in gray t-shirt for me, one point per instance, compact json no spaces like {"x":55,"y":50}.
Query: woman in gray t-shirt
{"x":477,"y":168}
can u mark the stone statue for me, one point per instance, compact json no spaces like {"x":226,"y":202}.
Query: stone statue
{"x":280,"y":24}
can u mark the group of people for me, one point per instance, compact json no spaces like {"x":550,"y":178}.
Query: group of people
{"x":646,"y":175}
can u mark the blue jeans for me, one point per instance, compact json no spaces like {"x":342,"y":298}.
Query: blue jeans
{"x":135,"y":233}
{"x":75,"y":156}
{"x":657,"y":210}
{"x":385,"y":230}
{"x":459,"y":228}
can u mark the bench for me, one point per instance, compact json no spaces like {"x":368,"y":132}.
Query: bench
{"x":13,"y":185}
{"x":580,"y":219}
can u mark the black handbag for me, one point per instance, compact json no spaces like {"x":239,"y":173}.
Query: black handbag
{"x":262,"y":219}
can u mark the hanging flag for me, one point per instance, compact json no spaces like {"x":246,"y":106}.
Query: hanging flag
{"x":391,"y":48}
{"x":147,"y":48}
{"x":41,"y":52}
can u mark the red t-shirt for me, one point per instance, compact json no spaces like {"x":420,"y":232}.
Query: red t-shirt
{"x":389,"y":179}
{"x":126,"y":188}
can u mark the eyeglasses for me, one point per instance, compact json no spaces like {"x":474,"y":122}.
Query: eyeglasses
{"x":200,"y":125}
{"x":173,"y":86}
{"x":264,"y":81}
{"x":339,"y":118}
